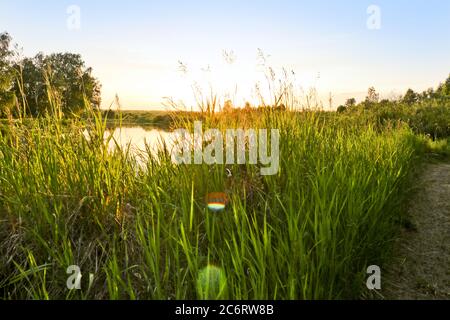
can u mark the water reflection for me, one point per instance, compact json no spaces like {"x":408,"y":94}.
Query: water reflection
{"x":137,"y":138}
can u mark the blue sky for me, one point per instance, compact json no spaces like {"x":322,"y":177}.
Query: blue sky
{"x":134,"y":46}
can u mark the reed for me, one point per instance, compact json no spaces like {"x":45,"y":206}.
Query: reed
{"x":144,"y":232}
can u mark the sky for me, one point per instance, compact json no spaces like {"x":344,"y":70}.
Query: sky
{"x":338,"y":47}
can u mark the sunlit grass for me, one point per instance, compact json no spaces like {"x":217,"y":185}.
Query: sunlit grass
{"x":308,"y":232}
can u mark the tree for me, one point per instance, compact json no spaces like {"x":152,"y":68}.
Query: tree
{"x":30,"y":85}
{"x":428,"y":94}
{"x":444,"y":89}
{"x":350,"y":102}
{"x":66,"y":73}
{"x":7,"y":98}
{"x":410,"y":97}
{"x":341,"y":109}
{"x":62,"y":73}
{"x":28,"y":81}
{"x":372,"y":95}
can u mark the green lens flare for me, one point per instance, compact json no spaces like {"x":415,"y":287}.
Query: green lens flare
{"x":211,"y":284}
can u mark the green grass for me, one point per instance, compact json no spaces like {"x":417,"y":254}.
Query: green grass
{"x":308,"y":232}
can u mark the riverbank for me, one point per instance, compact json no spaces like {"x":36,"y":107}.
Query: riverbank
{"x":307,"y":232}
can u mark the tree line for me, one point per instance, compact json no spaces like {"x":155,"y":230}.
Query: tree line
{"x":427,"y":112}
{"x":26,"y":83}
{"x":442,"y":93}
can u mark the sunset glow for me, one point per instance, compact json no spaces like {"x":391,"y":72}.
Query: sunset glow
{"x":135,"y":50}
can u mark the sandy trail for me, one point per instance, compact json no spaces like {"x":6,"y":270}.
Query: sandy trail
{"x":421,"y":269}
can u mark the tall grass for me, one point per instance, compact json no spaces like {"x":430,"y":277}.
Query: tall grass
{"x":145,"y":232}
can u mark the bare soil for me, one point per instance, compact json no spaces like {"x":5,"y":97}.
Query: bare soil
{"x":421,"y":267}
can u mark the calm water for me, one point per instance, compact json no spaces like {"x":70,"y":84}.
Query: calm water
{"x":138,"y":137}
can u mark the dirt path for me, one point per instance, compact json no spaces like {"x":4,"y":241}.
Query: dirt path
{"x":421,"y":269}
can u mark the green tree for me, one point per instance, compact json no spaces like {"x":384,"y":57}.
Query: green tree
{"x":30,"y":85}
{"x":7,"y":97}
{"x":444,"y":89}
{"x":410,"y":97}
{"x":68,"y":78}
{"x":341,"y":109}
{"x":26,"y":81}
{"x":350,"y":103}
{"x":427,"y":94}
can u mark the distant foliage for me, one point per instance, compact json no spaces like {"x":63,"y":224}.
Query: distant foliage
{"x":426,"y":113}
{"x":410,"y":97}
{"x":341,"y":109}
{"x":7,"y":98}
{"x":26,"y":83}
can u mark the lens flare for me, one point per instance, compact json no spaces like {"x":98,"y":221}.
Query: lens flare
{"x":211,"y":283}
{"x":216,"y":201}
